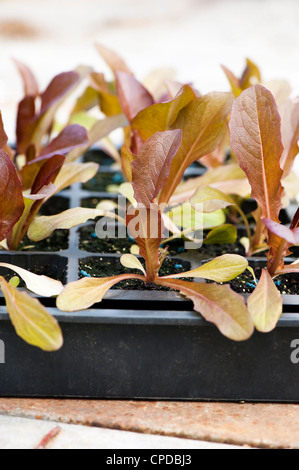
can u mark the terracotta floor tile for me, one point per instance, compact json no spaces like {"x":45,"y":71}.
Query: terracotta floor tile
{"x":257,"y":425}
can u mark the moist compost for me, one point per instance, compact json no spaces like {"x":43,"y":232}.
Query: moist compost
{"x":102,"y":181}
{"x":98,"y":156}
{"x":101,"y":267}
{"x":244,"y":284}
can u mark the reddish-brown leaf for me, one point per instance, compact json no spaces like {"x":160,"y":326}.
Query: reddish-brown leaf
{"x":11,"y":197}
{"x":59,"y":86}
{"x":203,"y":123}
{"x":295,"y":220}
{"x":113,"y":60}
{"x":3,"y":136}
{"x":45,"y":176}
{"x":161,"y":116}
{"x":25,"y":122}
{"x":109,"y":102}
{"x":132,"y":95}
{"x":146,"y":227}
{"x":47,"y":173}
{"x":150,"y":169}
{"x":289,"y":112}
{"x":256,"y":142}
{"x":29,"y":80}
{"x":218,"y":304}
{"x":71,"y":137}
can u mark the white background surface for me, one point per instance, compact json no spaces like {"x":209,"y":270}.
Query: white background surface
{"x":191,"y":36}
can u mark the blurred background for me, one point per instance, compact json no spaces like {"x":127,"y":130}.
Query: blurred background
{"x":192,"y":37}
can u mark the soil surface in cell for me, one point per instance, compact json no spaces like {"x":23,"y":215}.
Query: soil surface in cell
{"x":101,"y":267}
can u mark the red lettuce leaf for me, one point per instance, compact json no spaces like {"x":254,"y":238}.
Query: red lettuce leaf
{"x":11,"y":196}
{"x":71,"y":137}
{"x":146,"y":227}
{"x":133,"y":96}
{"x":150,"y":169}
{"x":29,"y":80}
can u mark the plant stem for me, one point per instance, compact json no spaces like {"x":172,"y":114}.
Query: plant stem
{"x":245,"y":220}
{"x":272,"y":267}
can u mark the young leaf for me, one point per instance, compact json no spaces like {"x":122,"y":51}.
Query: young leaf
{"x":126,"y":190}
{"x":160,"y":116}
{"x":3,"y":136}
{"x":44,"y":192}
{"x":291,"y":236}
{"x":295,"y":221}
{"x":29,"y":80}
{"x":74,"y":172}
{"x":217,"y":304}
{"x":265,"y":304}
{"x":229,"y":179}
{"x":99,"y":130}
{"x":251,"y":75}
{"x":88,"y":100}
{"x":211,"y":199}
{"x":109,"y":103}
{"x":233,"y":81}
{"x":36,"y":126}
{"x":71,"y":137}
{"x":42,"y":227}
{"x":127,"y":158}
{"x":221,"y":269}
{"x":112,"y":59}
{"x":11,"y":197}
{"x":132,"y":95}
{"x":48,"y":173}
{"x":25,"y":123}
{"x":186,"y":217}
{"x":40,"y":285}
{"x":146,"y":226}
{"x":289,"y":268}
{"x":256,"y":141}
{"x":225,"y":234}
{"x":31,"y":320}
{"x":88,"y":291}
{"x":203,"y":123}
{"x":289,"y":112}
{"x":150,"y":168}
{"x":131,"y":262}
{"x":57,"y":88}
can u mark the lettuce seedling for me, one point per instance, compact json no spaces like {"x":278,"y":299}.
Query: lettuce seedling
{"x":217,"y":303}
{"x":39,"y":168}
{"x":202,"y":121}
{"x":256,"y":141}
{"x":29,"y":177}
{"x":29,"y":317}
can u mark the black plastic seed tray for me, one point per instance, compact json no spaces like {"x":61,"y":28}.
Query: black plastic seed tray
{"x":143,"y":344}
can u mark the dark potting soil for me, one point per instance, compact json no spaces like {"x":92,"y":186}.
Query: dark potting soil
{"x":98,"y":156}
{"x":102,"y":181}
{"x":286,"y":284}
{"x":101,"y":267}
{"x":92,"y":202}
{"x":59,"y":240}
{"x":89,"y":241}
{"x":38,"y":267}
{"x":55,"y":205}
